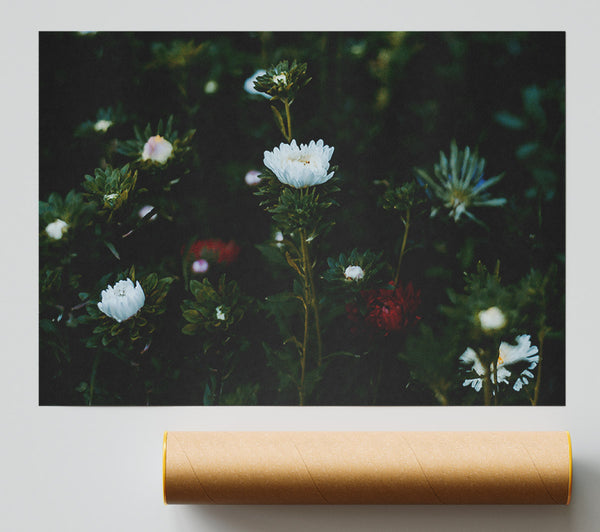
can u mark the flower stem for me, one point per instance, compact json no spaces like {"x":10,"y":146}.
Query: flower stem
{"x":305,"y":301}
{"x":312,"y":293}
{"x":288,"y":116}
{"x":403,"y":248}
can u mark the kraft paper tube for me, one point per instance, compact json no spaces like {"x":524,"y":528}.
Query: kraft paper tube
{"x":367,"y":467}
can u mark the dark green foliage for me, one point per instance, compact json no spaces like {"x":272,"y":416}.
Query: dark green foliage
{"x":111,"y":187}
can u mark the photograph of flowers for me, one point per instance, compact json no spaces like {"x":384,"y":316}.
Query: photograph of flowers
{"x":302,"y":218}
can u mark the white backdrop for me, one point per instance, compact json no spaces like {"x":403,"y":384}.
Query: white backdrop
{"x":99,"y":469}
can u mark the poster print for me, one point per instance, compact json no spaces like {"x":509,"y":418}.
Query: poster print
{"x":302,"y":218}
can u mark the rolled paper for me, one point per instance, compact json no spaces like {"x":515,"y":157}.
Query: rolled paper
{"x":367,"y":467}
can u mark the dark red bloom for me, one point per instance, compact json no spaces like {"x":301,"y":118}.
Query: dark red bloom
{"x":214,"y":250}
{"x":387,"y":309}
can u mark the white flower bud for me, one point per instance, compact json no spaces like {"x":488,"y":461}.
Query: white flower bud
{"x":56,"y":229}
{"x":123,"y":300}
{"x":252,"y":178}
{"x":354,"y":273}
{"x":211,"y":87}
{"x":110,"y":198}
{"x":280,"y":79}
{"x":157,"y":149}
{"x":102,"y":125}
{"x":200,"y":266}
{"x":492,"y":319}
{"x":220,"y":313}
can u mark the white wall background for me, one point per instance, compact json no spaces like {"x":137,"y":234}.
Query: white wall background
{"x":99,"y":469}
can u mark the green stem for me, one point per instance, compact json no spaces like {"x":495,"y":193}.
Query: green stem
{"x":305,"y":302}
{"x":312,"y":292}
{"x":403,"y":248}
{"x":288,"y":116}
{"x":93,"y":377}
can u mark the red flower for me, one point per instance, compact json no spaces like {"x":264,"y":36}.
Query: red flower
{"x":387,"y":309}
{"x":214,"y":250}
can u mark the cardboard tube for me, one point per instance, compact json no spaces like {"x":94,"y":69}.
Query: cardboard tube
{"x":367,"y":467}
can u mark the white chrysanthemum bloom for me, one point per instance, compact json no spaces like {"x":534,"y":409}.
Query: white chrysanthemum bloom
{"x":57,"y":229}
{"x":492,"y":319}
{"x":470,"y":357}
{"x":157,"y":149}
{"x":200,"y":266}
{"x":249,"y":84}
{"x":302,"y":166}
{"x":102,"y":125}
{"x":508,"y":355}
{"x":220,"y":312}
{"x":145,"y":210}
{"x":522,"y":353}
{"x":354,"y":273}
{"x":211,"y":87}
{"x":252,"y":178}
{"x":123,"y":300}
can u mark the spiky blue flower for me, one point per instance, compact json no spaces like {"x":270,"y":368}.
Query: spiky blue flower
{"x":459,"y":183}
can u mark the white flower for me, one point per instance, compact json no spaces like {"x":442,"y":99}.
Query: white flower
{"x":145,"y":210}
{"x":157,"y":149}
{"x":354,"y":273}
{"x":508,"y":355}
{"x":279,"y":236}
{"x":123,"y":300}
{"x":220,"y":312}
{"x":302,"y":166}
{"x":252,"y":178}
{"x":102,"y":125}
{"x":200,"y":266}
{"x":56,"y":229}
{"x":249,"y":84}
{"x":492,"y":319}
{"x":524,"y":353}
{"x":211,"y":87}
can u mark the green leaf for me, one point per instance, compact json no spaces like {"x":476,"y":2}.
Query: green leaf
{"x":112,"y":249}
{"x":193,"y":316}
{"x":509,"y":120}
{"x":189,"y":329}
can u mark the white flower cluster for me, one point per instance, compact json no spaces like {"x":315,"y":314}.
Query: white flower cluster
{"x":508,"y":355}
{"x":300,"y":166}
{"x":123,"y":300}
